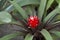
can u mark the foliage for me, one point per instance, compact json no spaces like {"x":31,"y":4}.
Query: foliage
{"x":18,"y":11}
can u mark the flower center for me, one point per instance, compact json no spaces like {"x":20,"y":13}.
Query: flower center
{"x":33,"y":21}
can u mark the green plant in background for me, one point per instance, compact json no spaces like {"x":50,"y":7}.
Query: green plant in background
{"x":3,"y":4}
{"x":37,"y":17}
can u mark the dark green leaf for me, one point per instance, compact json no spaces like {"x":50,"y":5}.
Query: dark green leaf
{"x":19,"y":8}
{"x":57,"y":33}
{"x":18,"y":17}
{"x":10,"y":36}
{"x":5,"y":17}
{"x":2,"y":2}
{"x":58,"y":1}
{"x":46,"y":34}
{"x":29,"y":10}
{"x":49,"y":3}
{"x":27,"y":2}
{"x":56,"y":22}
{"x":51,"y":15}
{"x":9,"y":8}
{"x":14,"y":22}
{"x":55,"y":37}
{"x":55,"y":19}
{"x":41,"y":8}
{"x":23,"y":3}
{"x":29,"y":37}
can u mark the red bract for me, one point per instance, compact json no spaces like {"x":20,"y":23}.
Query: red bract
{"x":33,"y":21}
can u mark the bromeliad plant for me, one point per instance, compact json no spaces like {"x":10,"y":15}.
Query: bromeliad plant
{"x":37,"y":17}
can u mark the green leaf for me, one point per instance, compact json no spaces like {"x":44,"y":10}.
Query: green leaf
{"x":29,"y":10}
{"x":5,"y":17}
{"x":29,"y":2}
{"x":55,"y":37}
{"x":10,"y":36}
{"x":23,"y":3}
{"x":2,"y":2}
{"x":14,"y":22}
{"x":18,"y":17}
{"x":19,"y":8}
{"x":56,"y":22}
{"x":55,"y":19}
{"x":41,"y":8}
{"x":46,"y":34}
{"x":29,"y":37}
{"x":51,"y":15}
{"x":49,"y":3}
{"x":57,"y":33}
{"x":58,"y":1}
{"x":9,"y":8}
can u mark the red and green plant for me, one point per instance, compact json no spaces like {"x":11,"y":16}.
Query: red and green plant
{"x":37,"y":17}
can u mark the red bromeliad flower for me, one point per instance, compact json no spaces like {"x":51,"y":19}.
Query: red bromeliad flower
{"x":33,"y":21}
